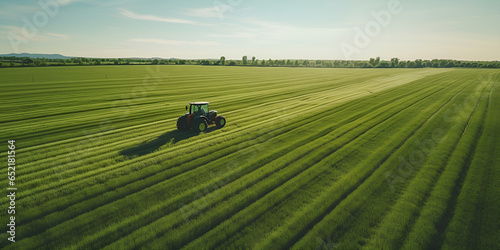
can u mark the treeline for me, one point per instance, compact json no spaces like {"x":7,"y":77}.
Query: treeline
{"x":372,"y":63}
{"x":40,"y":62}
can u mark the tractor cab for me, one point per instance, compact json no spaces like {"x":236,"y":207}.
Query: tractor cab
{"x":199,"y":117}
{"x":198,"y":108}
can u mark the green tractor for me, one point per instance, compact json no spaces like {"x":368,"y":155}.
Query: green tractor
{"x":199,"y":117}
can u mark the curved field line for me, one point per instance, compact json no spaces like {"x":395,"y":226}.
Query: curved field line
{"x":325,"y":221}
{"x":419,"y":235}
{"x":208,"y":236}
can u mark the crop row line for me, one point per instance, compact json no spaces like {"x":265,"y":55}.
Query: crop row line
{"x":342,"y":210}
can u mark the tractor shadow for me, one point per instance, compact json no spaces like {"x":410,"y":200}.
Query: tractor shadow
{"x":171,"y":138}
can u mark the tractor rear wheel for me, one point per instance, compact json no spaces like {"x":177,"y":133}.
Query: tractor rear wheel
{"x":182,"y":124}
{"x":220,"y":121}
{"x":200,"y":126}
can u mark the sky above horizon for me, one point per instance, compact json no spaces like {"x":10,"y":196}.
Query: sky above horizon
{"x":292,"y":29}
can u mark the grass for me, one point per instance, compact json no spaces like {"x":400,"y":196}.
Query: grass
{"x":350,"y":158}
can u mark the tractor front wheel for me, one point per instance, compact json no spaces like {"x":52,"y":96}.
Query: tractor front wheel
{"x":220,"y":121}
{"x":200,"y":126}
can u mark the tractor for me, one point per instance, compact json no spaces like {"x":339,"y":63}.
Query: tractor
{"x":198,"y":118}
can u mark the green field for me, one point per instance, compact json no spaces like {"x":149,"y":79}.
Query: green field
{"x":310,"y":158}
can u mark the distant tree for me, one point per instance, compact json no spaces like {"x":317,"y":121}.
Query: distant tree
{"x":366,"y":65}
{"x":372,"y":61}
{"x":97,"y":62}
{"x":223,"y":60}
{"x":383,"y":64}
{"x":305,"y":63}
{"x":244,"y":59}
{"x":263,"y":63}
{"x":232,"y":63}
{"x":411,"y":64}
{"x":377,"y":61}
{"x":28,"y":61}
{"x":253,"y":59}
{"x":394,"y":62}
{"x":116,"y":62}
{"x":155,"y":61}
{"x":270,"y":62}
{"x":296,"y":63}
{"x":418,"y":63}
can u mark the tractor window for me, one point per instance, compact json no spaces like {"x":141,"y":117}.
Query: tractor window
{"x":194,"y":109}
{"x":198,"y":108}
{"x":205,"y":108}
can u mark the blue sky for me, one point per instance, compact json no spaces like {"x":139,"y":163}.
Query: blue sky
{"x":292,"y":29}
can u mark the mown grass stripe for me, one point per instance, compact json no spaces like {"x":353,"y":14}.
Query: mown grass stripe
{"x":427,"y":227}
{"x":211,"y":235}
{"x":323,"y":230}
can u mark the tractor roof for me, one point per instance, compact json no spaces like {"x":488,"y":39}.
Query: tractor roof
{"x":198,"y":103}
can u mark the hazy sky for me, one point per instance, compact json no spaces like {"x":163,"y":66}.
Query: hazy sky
{"x":294,"y":29}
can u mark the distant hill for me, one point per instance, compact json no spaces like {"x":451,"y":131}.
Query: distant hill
{"x":48,"y":56}
{"x":59,"y":56}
